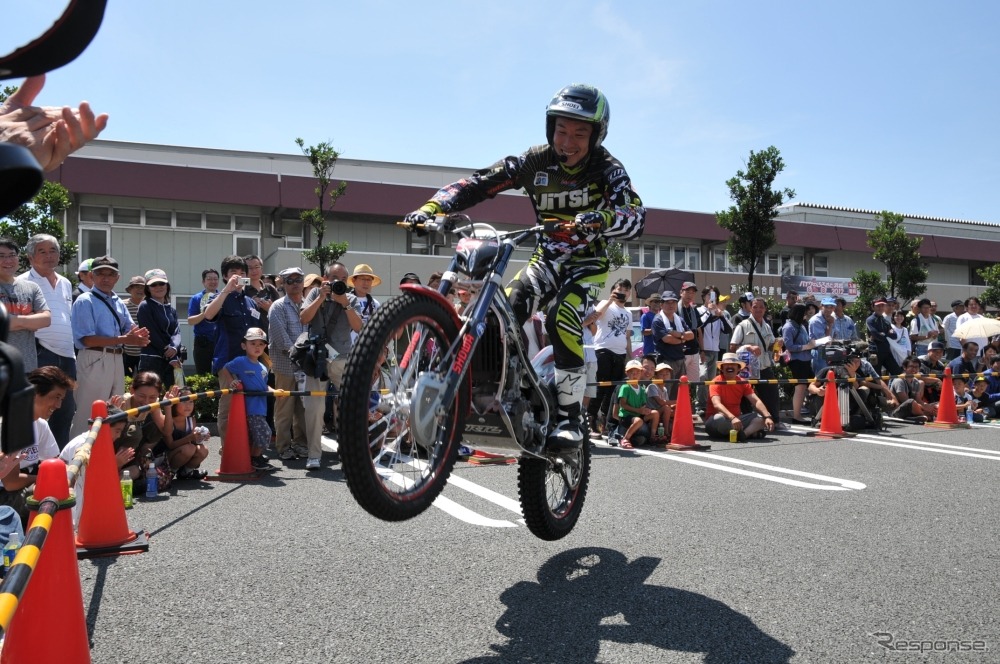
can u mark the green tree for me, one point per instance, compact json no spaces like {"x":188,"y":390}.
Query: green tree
{"x":991,"y":277}
{"x":616,"y":256}
{"x":39,"y":215}
{"x":323,"y":159}
{"x":870,"y":286}
{"x":750,"y":221}
{"x":901,"y":255}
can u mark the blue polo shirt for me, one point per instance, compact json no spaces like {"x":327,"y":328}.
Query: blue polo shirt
{"x":93,"y":318}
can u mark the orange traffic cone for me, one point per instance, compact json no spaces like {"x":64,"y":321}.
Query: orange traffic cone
{"x":830,"y":426}
{"x":682,"y":433}
{"x":236,"y":445}
{"x":947,"y":415}
{"x":103,"y":528}
{"x":53,"y":597}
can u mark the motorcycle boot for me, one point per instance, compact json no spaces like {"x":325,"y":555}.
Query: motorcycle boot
{"x":570,"y":386}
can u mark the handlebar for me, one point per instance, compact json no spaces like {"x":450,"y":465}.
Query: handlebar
{"x":447,"y":223}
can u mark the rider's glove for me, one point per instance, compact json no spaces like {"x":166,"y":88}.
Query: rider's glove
{"x":421,"y":216}
{"x":589,"y":223}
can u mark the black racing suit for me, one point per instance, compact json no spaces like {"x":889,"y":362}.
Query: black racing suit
{"x":568,"y":265}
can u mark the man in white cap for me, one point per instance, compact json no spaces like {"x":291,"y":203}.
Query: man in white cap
{"x":86,"y":279}
{"x":290,"y":428}
{"x":102,"y":326}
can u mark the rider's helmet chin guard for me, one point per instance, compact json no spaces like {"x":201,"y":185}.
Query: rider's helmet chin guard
{"x":579,"y":102}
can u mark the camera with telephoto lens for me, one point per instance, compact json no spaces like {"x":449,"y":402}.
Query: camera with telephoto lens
{"x":838,"y":354}
{"x":336,"y":287}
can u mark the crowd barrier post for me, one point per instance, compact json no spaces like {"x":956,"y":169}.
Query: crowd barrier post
{"x":830,"y":425}
{"x":947,"y":414}
{"x":103,"y":528}
{"x":49,"y":623}
{"x":682,"y":431}
{"x":235,"y":464}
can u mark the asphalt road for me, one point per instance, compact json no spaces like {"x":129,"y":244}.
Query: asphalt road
{"x":881,"y":548}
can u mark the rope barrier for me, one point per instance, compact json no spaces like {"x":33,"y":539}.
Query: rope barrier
{"x":12,"y":588}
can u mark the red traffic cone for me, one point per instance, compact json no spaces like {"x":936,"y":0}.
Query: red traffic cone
{"x":947,"y":415}
{"x":236,"y":445}
{"x":682,"y":432}
{"x":830,"y":426}
{"x":53,"y":597}
{"x":103,"y":527}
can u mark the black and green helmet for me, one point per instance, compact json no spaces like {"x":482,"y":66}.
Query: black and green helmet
{"x":579,"y":102}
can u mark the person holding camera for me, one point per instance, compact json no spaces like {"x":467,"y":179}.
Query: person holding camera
{"x":234,"y":313}
{"x":156,"y":314}
{"x":331,"y":314}
{"x":612,"y":343}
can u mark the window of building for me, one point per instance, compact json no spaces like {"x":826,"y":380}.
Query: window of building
{"x":218,"y":222}
{"x":188,"y":219}
{"x":181,"y":303}
{"x":245,"y":223}
{"x":244,"y":245}
{"x":159,"y":218}
{"x":129,"y":216}
{"x":821,"y":266}
{"x":93,"y":242}
{"x":94,"y":214}
{"x":720,"y":261}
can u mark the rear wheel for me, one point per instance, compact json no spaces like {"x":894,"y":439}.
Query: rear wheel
{"x":552,"y":490}
{"x":393,"y":474}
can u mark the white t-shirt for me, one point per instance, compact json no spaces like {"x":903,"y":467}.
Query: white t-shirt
{"x":614,"y":329}
{"x":58,"y":336}
{"x":45,"y":446}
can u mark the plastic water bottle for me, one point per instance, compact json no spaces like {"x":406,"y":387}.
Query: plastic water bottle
{"x":969,"y":416}
{"x":151,"y":482}
{"x":660,"y":432}
{"x":10,"y":551}
{"x":127,"y":489}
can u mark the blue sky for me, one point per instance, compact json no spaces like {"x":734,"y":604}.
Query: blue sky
{"x":875,"y":105}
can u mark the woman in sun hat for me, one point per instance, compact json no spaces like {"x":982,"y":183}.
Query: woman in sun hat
{"x":157,"y":315}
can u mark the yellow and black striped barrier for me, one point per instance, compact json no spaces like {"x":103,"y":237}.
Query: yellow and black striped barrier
{"x":12,"y":588}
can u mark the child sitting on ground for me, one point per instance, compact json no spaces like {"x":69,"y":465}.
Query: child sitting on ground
{"x":185,"y":439}
{"x":983,"y":408}
{"x":247,"y":373}
{"x":632,"y":408}
{"x":658,"y":397}
{"x":963,"y":398}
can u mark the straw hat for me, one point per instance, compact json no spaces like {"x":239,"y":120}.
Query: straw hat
{"x":732,"y":358}
{"x":364,"y":270}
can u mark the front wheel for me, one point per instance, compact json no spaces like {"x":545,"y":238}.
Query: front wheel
{"x":391,"y":472}
{"x":553,"y":489}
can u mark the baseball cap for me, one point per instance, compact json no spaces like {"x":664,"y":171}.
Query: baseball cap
{"x":669,"y":295}
{"x":957,"y":303}
{"x":156,"y":276}
{"x":633,"y":364}
{"x":409,"y":277}
{"x":105,"y":262}
{"x":829,"y":302}
{"x":688,"y":285}
{"x":935,"y":345}
{"x":663,"y":365}
{"x":137,"y":280}
{"x":84,"y":266}
{"x":255,"y":334}
{"x":655,"y":297}
{"x":879,"y":300}
{"x":289,"y":271}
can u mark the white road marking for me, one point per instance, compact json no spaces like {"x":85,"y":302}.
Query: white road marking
{"x":928,"y":447}
{"x":685,"y":457}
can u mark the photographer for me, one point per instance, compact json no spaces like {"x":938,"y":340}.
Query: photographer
{"x":234,"y":313}
{"x":613,"y":344}
{"x":331,"y":313}
{"x":849,"y":362}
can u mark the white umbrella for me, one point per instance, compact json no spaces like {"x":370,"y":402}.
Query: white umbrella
{"x":981,"y":327}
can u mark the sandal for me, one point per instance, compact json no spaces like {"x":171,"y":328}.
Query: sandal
{"x":625,"y":444}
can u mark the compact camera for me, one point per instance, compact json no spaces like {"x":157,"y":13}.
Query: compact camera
{"x":244,"y":281}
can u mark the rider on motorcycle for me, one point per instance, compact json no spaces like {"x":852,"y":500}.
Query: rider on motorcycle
{"x":573,"y":178}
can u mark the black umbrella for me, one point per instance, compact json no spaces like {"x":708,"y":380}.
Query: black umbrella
{"x":658,"y":281}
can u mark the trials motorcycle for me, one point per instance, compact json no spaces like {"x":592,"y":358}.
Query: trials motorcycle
{"x":422,"y":380}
